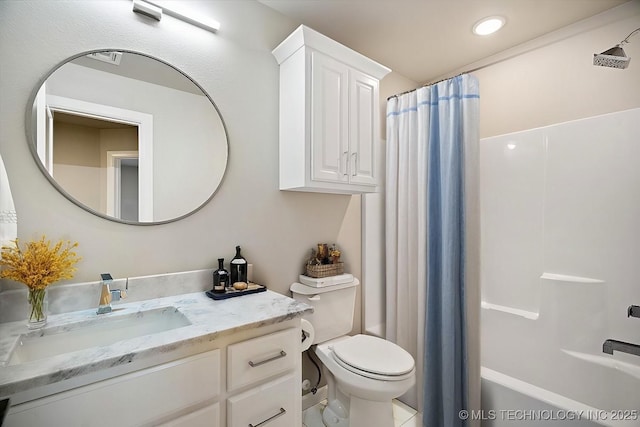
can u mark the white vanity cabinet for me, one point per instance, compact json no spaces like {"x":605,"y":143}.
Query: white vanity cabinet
{"x":240,"y":379}
{"x":329,"y":115}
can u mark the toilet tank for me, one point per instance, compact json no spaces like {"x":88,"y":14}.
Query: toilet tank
{"x":333,"y":308}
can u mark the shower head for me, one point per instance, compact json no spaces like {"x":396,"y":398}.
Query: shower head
{"x":614,"y":58}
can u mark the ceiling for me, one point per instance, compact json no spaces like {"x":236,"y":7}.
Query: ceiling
{"x":427,"y":39}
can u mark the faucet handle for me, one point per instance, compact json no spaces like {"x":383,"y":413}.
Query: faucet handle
{"x":633,"y":311}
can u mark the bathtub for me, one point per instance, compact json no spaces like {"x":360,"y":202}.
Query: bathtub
{"x":508,"y":401}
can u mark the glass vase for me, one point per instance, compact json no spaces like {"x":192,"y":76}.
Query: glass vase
{"x":38,"y":306}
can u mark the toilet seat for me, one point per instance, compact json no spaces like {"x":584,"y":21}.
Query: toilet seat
{"x":374,"y":358}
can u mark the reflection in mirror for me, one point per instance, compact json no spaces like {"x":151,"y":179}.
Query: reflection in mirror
{"x":128,"y":137}
{"x":8,"y":216}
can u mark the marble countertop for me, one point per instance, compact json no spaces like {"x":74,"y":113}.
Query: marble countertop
{"x":209,"y":319}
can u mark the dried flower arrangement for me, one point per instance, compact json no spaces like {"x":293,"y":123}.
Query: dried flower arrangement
{"x":324,"y":262}
{"x":37,"y":266}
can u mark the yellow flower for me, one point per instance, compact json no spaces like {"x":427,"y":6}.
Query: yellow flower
{"x":39,"y":264}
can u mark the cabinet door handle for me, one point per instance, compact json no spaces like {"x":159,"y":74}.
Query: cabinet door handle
{"x":354,"y":170}
{"x":282,"y":412}
{"x":271,"y":359}
{"x":345,"y":171}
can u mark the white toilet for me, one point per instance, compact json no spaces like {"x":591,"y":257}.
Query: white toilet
{"x":364,"y":373}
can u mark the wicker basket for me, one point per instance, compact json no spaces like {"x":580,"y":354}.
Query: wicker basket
{"x":324,"y":270}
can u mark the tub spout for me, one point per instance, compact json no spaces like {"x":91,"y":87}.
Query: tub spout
{"x":610,"y":346}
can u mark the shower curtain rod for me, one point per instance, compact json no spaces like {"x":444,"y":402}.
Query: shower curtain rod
{"x":438,"y":81}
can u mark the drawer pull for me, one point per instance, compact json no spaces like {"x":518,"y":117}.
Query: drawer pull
{"x":271,"y":359}
{"x":282,"y":412}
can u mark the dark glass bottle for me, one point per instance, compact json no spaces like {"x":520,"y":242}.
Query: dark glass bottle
{"x":238,"y":267}
{"x":220,"y":278}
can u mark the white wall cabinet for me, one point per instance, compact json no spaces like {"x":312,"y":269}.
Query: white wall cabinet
{"x":329,"y":115}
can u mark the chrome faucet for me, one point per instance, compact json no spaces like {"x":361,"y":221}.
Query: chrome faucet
{"x":107,"y":295}
{"x":610,"y":346}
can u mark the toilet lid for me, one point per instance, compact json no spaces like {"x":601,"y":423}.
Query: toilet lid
{"x":374,"y":355}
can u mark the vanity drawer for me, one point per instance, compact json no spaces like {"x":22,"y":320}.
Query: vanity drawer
{"x":259,"y":358}
{"x":272,"y":404}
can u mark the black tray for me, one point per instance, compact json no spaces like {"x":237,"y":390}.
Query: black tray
{"x":233,"y":294}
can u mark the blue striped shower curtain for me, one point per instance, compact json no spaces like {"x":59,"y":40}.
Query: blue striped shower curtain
{"x":430,"y":134}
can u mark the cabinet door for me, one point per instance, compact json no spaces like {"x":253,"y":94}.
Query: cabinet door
{"x":209,"y":416}
{"x":273,"y":404}
{"x":363,"y":128}
{"x":329,"y":119}
{"x":134,"y":399}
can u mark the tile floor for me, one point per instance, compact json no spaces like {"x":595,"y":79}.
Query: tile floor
{"x":403,"y":415}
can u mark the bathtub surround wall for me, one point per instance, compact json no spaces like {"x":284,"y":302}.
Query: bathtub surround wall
{"x":556,"y":262}
{"x":559,"y":257}
{"x":235,"y":66}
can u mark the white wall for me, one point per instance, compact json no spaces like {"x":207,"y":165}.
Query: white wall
{"x":557,"y":82}
{"x":76,"y":162}
{"x":235,"y":66}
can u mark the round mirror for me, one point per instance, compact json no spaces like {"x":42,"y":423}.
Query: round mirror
{"x":128,"y":137}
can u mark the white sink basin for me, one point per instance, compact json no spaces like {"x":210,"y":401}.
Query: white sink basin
{"x":99,"y":331}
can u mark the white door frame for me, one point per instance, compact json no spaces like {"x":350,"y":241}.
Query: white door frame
{"x":44,"y":126}
{"x":114,"y":182}
{"x":143,"y":121}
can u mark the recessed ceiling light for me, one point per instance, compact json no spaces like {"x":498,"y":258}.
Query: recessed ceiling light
{"x":489,"y":25}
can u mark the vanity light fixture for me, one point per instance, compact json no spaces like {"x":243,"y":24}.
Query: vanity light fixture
{"x":147,"y":9}
{"x":488,"y":25}
{"x":156,"y":11}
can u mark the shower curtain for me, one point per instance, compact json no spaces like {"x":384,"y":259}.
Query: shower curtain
{"x":431,"y":180}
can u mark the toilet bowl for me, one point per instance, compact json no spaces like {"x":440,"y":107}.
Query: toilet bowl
{"x":364,"y":373}
{"x":374,"y":369}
